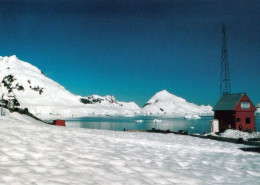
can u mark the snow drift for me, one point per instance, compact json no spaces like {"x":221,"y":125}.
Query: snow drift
{"x":229,"y":133}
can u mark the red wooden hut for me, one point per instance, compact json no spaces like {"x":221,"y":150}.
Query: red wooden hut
{"x":59,"y":122}
{"x":235,"y":111}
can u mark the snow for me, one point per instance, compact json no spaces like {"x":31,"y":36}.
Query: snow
{"x":157,"y":120}
{"x":238,"y":134}
{"x":192,"y":117}
{"x":167,"y":104}
{"x":35,"y":153}
{"x":45,"y":97}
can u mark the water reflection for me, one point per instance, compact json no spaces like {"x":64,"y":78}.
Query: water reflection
{"x":121,"y":123}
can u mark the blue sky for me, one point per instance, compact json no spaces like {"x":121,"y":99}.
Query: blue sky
{"x":132,"y":49}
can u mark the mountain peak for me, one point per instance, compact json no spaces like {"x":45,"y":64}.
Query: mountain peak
{"x":6,"y":58}
{"x":14,"y":57}
{"x":10,"y":61}
{"x":165,"y":103}
{"x":163,"y":93}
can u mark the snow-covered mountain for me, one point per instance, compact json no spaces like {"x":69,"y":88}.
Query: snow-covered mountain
{"x":165,"y":103}
{"x":43,"y":96}
{"x":107,"y":101}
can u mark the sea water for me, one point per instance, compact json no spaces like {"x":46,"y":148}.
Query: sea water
{"x":134,"y":123}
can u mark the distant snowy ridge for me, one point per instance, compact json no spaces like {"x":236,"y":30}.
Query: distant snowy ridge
{"x":165,"y":103}
{"x":258,"y":105}
{"x":107,"y":101}
{"x":43,"y":96}
{"x":258,"y":108}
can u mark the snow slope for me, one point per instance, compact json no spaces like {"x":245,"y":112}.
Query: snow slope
{"x":165,"y":103}
{"x":43,"y":96}
{"x":36,"y":153}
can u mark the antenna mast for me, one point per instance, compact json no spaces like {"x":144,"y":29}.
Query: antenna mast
{"x":225,"y":87}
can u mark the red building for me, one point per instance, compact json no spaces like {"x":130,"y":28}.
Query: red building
{"x":59,"y":122}
{"x":235,"y":111}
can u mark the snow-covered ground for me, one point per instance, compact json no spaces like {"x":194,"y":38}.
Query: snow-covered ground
{"x":35,"y":153}
{"x":237,"y":134}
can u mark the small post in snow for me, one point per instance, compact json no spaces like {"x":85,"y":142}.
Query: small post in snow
{"x":1,"y":101}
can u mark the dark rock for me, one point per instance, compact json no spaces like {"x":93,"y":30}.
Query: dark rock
{"x":146,"y":104}
{"x":240,"y":140}
{"x":184,"y":132}
{"x":85,"y":101}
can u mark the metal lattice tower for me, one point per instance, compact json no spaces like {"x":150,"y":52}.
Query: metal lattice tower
{"x":225,"y":87}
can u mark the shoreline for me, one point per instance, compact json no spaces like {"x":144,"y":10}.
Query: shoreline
{"x":249,"y":142}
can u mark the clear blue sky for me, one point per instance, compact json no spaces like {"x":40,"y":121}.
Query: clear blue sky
{"x":134,"y":48}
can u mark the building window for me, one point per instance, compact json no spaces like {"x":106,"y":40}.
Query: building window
{"x":247,"y":120}
{"x":238,"y":120}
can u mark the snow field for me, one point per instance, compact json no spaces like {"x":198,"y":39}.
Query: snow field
{"x":35,"y":153}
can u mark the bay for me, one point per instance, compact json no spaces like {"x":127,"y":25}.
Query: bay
{"x":131,"y":123}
